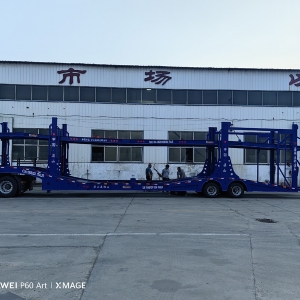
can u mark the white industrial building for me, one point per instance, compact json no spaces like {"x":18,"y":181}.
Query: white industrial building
{"x":143,"y":102}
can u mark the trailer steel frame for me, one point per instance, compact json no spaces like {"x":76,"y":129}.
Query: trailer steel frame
{"x":217,"y":174}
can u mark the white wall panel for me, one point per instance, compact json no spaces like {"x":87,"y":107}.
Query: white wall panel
{"x":130,"y":76}
{"x":154,"y":120}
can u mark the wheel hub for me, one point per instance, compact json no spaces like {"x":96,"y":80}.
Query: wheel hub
{"x":212,"y":190}
{"x":236,"y":190}
{"x":6,"y":187}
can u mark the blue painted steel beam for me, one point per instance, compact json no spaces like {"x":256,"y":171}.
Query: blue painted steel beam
{"x":218,"y":169}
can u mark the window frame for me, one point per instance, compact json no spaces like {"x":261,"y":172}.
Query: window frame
{"x":284,"y":155}
{"x":98,"y":94}
{"x":28,"y":143}
{"x":183,"y":151}
{"x":114,"y":134}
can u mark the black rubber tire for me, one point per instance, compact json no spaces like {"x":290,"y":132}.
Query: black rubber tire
{"x":211,"y":190}
{"x":236,"y":190}
{"x":8,"y":187}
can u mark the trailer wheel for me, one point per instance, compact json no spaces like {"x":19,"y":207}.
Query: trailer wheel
{"x":236,"y":190}
{"x":8,"y":186}
{"x":211,"y":190}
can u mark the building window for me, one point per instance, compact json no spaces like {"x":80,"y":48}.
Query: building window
{"x":7,"y":91}
{"x":284,"y":98}
{"x":39,"y":92}
{"x":71,"y":93}
{"x":134,"y":95}
{"x":29,"y":149}
{"x":285,"y":155}
{"x":97,"y":153}
{"x":103,"y":94}
{"x":296,"y":98}
{"x":23,"y":92}
{"x":179,"y":97}
{"x":110,"y":154}
{"x":225,"y":97}
{"x":239,"y":98}
{"x":255,"y":98}
{"x":163,"y":96}
{"x":148,"y":96}
{"x":270,"y":98}
{"x":119,"y":95}
{"x":210,"y":97}
{"x":252,"y":156}
{"x":194,"y":97}
{"x":55,"y":93}
{"x":87,"y":94}
{"x":187,"y":154}
{"x":117,"y":153}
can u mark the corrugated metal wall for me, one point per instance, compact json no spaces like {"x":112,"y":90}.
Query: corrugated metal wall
{"x":122,"y":76}
{"x":154,"y":120}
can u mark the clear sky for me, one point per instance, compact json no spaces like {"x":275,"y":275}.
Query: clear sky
{"x":185,"y":33}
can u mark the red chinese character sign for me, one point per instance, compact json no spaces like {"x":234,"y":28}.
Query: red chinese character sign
{"x":158,"y":77}
{"x":71,"y":73}
{"x":295,"y":81}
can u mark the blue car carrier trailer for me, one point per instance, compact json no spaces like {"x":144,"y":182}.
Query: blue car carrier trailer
{"x":217,"y":174}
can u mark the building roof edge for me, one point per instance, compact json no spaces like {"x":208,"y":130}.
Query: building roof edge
{"x":146,"y":66}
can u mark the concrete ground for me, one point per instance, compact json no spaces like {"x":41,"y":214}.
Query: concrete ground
{"x":144,"y":246}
